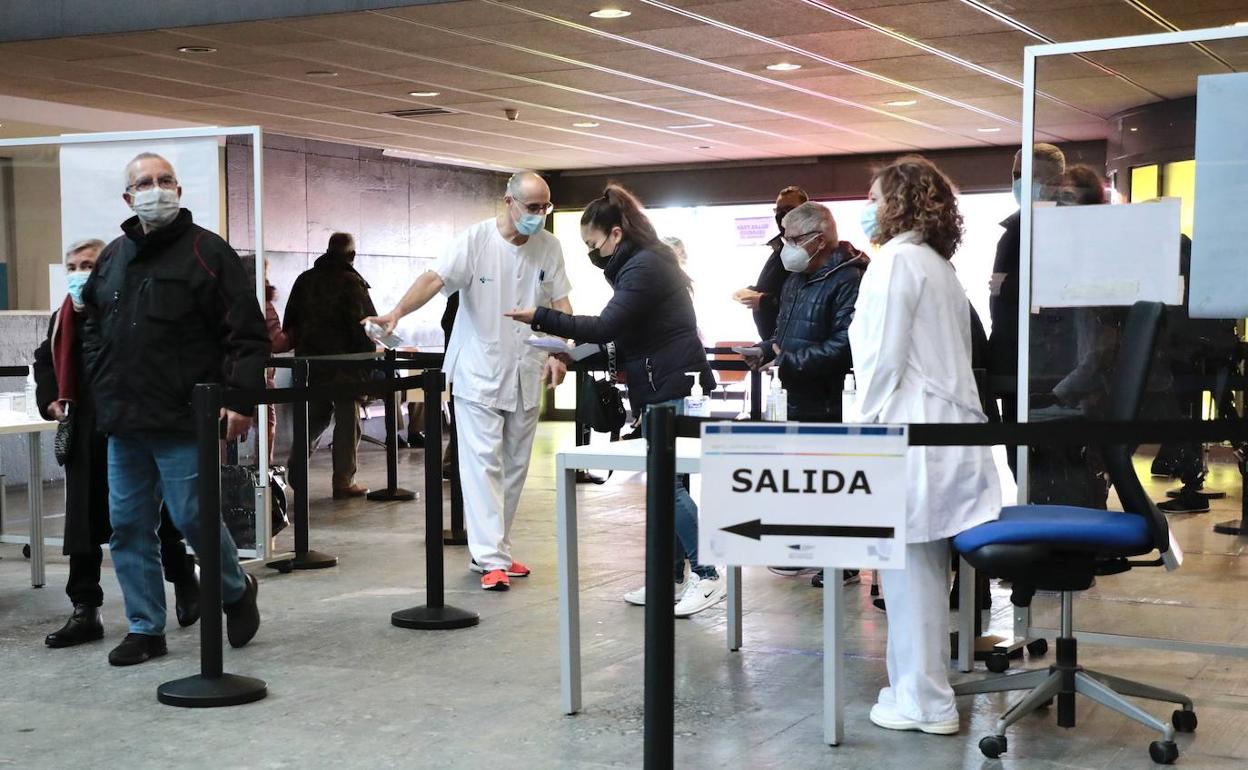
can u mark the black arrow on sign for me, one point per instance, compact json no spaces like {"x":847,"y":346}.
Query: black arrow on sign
{"x":756,"y":529}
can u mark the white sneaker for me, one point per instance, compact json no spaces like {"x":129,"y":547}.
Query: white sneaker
{"x":637,"y":596}
{"x":701,"y":593}
{"x":886,"y":715}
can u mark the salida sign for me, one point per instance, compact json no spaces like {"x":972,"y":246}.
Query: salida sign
{"x":804,"y":495}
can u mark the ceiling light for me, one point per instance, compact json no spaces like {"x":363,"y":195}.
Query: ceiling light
{"x":693,"y":125}
{"x":321,"y":74}
{"x":424,"y":94}
{"x":989,"y":130}
{"x":783,"y":66}
{"x":1241,"y":24}
{"x":610,"y":13}
{"x":702,"y":147}
{"x":901,"y":103}
{"x":196,"y":49}
{"x":585,"y":124}
{"x":1133,"y":129}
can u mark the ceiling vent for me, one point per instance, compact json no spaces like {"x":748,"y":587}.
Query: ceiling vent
{"x":418,"y":112}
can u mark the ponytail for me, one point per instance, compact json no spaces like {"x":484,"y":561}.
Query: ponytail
{"x":619,"y":208}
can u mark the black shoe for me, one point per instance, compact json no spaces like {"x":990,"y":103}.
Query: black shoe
{"x":186,"y":601}
{"x":137,"y":648}
{"x":242,"y":618}
{"x":1188,"y":501}
{"x":415,"y":439}
{"x":83,"y":626}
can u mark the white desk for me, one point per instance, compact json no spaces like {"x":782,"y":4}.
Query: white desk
{"x":12,"y":424}
{"x":631,"y":456}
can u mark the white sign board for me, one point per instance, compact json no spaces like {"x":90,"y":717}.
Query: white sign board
{"x":1219,"y":228}
{"x":1094,"y":256}
{"x":789,"y":495}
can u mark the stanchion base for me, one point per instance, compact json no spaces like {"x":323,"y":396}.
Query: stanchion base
{"x":1232,"y":527}
{"x":309,"y":560}
{"x":434,"y":618}
{"x":201,"y":692}
{"x":386,"y":495}
{"x":1208,"y":494}
{"x":451,"y":537}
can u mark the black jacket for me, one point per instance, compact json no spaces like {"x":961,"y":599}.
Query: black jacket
{"x":651,"y":320}
{"x":770,"y":282}
{"x":323,"y":315}
{"x":812,"y":332}
{"x":1003,"y":308}
{"x":166,"y":310}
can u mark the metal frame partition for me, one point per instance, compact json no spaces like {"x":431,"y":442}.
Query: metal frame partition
{"x":263,"y":535}
{"x":1022,"y":616}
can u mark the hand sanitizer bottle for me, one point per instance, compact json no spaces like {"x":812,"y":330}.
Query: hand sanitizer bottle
{"x":849,"y":396}
{"x":696,"y":403}
{"x":777,"y":402}
{"x":32,"y":408}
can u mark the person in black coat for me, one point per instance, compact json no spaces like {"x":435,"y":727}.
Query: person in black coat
{"x":86,"y":471}
{"x":651,"y":320}
{"x":810,"y":347}
{"x":763,"y":297}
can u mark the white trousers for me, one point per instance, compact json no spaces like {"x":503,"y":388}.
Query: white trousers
{"x":494,"y":450}
{"x":917,"y":599}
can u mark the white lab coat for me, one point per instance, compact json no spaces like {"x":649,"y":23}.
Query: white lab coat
{"x":911,"y":343}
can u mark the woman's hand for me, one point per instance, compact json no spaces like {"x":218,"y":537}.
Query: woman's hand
{"x":524,"y":316}
{"x":57,"y":410}
{"x":554,"y":371}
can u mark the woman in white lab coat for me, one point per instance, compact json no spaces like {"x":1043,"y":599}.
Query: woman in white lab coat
{"x":911,"y":344}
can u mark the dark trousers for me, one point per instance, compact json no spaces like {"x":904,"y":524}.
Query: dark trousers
{"x":346,"y":418}
{"x":83,"y":585}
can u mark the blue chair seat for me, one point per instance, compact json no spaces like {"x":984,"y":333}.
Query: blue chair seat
{"x":1088,"y":529}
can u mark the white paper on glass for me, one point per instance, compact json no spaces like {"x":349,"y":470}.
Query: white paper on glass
{"x":1092,"y":256}
{"x":1220,"y":228}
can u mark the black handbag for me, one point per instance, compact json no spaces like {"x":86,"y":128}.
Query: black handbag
{"x":601,"y":405}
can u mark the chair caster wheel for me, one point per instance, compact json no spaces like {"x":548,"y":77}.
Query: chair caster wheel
{"x":26,"y":550}
{"x":997,"y":662}
{"x":1183,"y":721}
{"x":1163,"y":752}
{"x":1037,"y":647}
{"x":994,"y":746}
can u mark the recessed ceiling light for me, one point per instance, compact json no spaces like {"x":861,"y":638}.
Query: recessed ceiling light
{"x":784,"y":66}
{"x":585,"y":124}
{"x":424,"y":94}
{"x":901,"y":103}
{"x":321,"y":74}
{"x":693,"y":125}
{"x":989,"y":130}
{"x":702,"y":147}
{"x":1134,"y":129}
{"x":610,"y":13}
{"x":196,"y":49}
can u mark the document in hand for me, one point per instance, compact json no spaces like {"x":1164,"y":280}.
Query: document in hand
{"x":559,"y":345}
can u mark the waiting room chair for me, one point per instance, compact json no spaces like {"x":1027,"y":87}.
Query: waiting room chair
{"x":1063,"y":548}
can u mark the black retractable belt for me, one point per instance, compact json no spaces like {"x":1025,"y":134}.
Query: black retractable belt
{"x":393,"y":491}
{"x":435,"y":613}
{"x":660,"y":673}
{"x":211,"y":687}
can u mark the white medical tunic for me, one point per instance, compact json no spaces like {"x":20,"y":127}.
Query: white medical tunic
{"x":487,"y":359}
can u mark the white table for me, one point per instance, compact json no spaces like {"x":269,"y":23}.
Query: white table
{"x":631,"y":456}
{"x":13,"y":424}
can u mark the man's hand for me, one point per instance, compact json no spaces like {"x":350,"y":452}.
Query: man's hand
{"x":387,"y":322}
{"x":553,"y":372}
{"x":236,"y":425}
{"x":524,"y":316}
{"x":994,"y":284}
{"x":748,"y":297}
{"x":57,"y":410}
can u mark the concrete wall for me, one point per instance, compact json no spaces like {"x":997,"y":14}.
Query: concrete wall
{"x":36,"y":227}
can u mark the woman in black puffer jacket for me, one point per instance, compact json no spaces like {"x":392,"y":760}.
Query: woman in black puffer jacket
{"x":650,"y":319}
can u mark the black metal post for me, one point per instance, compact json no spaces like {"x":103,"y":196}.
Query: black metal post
{"x":756,"y":395}
{"x":211,"y":687}
{"x":660,"y":553}
{"x":434,"y":614}
{"x":457,"y":534}
{"x":1232,"y":526}
{"x":304,"y":557}
{"x":393,"y":491}
{"x":583,"y":430}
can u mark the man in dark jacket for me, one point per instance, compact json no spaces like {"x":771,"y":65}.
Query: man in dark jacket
{"x":169,"y":305}
{"x":810,"y":346}
{"x":764,"y":296}
{"x":323,"y":318}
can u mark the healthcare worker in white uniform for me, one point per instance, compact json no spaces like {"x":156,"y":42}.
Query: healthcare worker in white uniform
{"x":501,"y":264}
{"x":911,"y":343}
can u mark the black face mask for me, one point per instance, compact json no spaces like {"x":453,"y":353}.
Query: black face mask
{"x":598,"y":259}
{"x":780,"y":215}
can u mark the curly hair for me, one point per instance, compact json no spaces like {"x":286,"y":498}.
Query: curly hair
{"x":916,"y":195}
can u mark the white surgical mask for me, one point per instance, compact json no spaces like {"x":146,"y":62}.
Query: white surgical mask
{"x":156,"y":207}
{"x":795,"y":258}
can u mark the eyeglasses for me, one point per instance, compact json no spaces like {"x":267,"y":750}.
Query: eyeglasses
{"x":797,"y":239}
{"x":537,"y":208}
{"x":166,"y":182}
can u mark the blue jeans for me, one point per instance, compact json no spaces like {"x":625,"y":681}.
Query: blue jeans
{"x":143,"y":469}
{"x":686,"y":519}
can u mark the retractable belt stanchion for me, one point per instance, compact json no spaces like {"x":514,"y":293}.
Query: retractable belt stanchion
{"x":304,"y":557}
{"x":756,"y":395}
{"x":434,"y":614}
{"x":660,"y":674}
{"x":393,"y":491}
{"x":211,"y":686}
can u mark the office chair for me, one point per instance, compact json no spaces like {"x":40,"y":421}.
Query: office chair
{"x":1062,"y":548}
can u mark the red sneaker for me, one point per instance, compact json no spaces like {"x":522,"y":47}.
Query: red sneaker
{"x":515,"y":570}
{"x":495,"y":580}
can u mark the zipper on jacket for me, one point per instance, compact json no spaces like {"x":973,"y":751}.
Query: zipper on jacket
{"x":650,"y":373}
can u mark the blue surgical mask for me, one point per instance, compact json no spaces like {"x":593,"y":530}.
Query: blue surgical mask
{"x":868,"y":221}
{"x":528,"y":224}
{"x":1037,"y":191}
{"x":74,"y":282}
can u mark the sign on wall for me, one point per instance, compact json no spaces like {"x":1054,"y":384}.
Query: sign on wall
{"x":790,"y":495}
